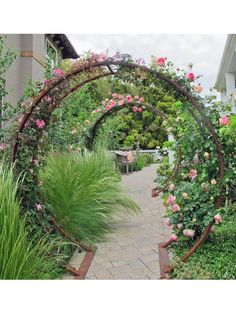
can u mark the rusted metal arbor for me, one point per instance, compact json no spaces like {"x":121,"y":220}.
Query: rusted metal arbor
{"x":92,"y":70}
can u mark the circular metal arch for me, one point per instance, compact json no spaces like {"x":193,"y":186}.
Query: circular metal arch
{"x":107,"y":70}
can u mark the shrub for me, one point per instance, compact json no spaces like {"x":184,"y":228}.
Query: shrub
{"x":84,"y":193}
{"x":140,"y":163}
{"x":19,"y":257}
{"x":148,"y":159}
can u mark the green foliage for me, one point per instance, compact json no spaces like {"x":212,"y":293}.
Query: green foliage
{"x":19,"y":257}
{"x":84,"y":193}
{"x":148,"y":159}
{"x":140,"y":163}
{"x":215,"y":259}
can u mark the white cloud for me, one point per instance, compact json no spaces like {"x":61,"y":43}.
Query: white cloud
{"x":204,"y":51}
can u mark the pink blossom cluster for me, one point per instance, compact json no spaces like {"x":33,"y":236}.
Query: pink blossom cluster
{"x":58,"y":72}
{"x":40,"y":124}
{"x":161,"y":61}
{"x":224,"y":121}
{"x":120,"y":100}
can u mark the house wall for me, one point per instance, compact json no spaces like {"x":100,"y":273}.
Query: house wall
{"x":13,"y":76}
{"x":29,"y":63}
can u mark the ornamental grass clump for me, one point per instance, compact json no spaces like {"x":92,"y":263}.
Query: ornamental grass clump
{"x":21,"y":258}
{"x":84,"y":193}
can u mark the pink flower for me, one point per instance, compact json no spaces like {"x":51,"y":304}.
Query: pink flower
{"x":38,"y":207}
{"x":161,"y":62}
{"x":102,"y":57}
{"x":47,"y":98}
{"x":198,"y":88}
{"x":167,"y":222}
{"x":188,"y":233}
{"x":190,"y":76}
{"x":104,"y":103}
{"x":192,"y":174}
{"x":140,"y":109}
{"x":224,"y":120}
{"x":174,"y":237}
{"x":3,"y":146}
{"x":112,"y":103}
{"x":170,"y":199}
{"x":218,"y":218}
{"x":171,"y":187}
{"x":46,"y":82}
{"x":120,"y":102}
{"x":40,"y":123}
{"x":129,"y":98}
{"x":135,"y":108}
{"x":58,"y":72}
{"x":136,"y":97}
{"x":175,"y":208}
{"x":114,"y":95}
{"x":108,"y":107}
{"x":121,"y":97}
{"x":141,"y":99}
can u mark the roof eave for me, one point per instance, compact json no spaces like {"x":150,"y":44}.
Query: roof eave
{"x":225,"y":60}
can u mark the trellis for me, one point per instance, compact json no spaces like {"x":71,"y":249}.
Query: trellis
{"x":91,"y":69}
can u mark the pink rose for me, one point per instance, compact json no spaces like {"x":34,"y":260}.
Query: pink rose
{"x":188,"y":233}
{"x":192,"y":174}
{"x":190,"y":76}
{"x":3,"y":146}
{"x":58,"y":72}
{"x":121,"y":97}
{"x":175,"y":208}
{"x":136,"y":97}
{"x":120,"y":102}
{"x":170,"y":199}
{"x":140,"y":109}
{"x":161,"y":62}
{"x":224,"y":121}
{"x":135,"y":108}
{"x":174,"y":237}
{"x":40,"y":123}
{"x":167,"y":222}
{"x":129,"y":98}
{"x":198,"y":88}
{"x":171,"y":187}
{"x":102,"y":57}
{"x":141,"y":99}
{"x":108,"y":107}
{"x":38,"y":207}
{"x":112,"y":103}
{"x":114,"y":95}
{"x":218,"y":218}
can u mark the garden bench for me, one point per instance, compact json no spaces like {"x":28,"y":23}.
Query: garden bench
{"x":125,"y":158}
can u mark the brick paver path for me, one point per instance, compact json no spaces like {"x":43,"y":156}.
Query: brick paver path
{"x":131,"y":252}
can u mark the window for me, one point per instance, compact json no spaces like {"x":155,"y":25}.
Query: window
{"x":51,"y":54}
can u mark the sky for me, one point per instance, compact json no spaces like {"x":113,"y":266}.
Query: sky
{"x":203,"y":50}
